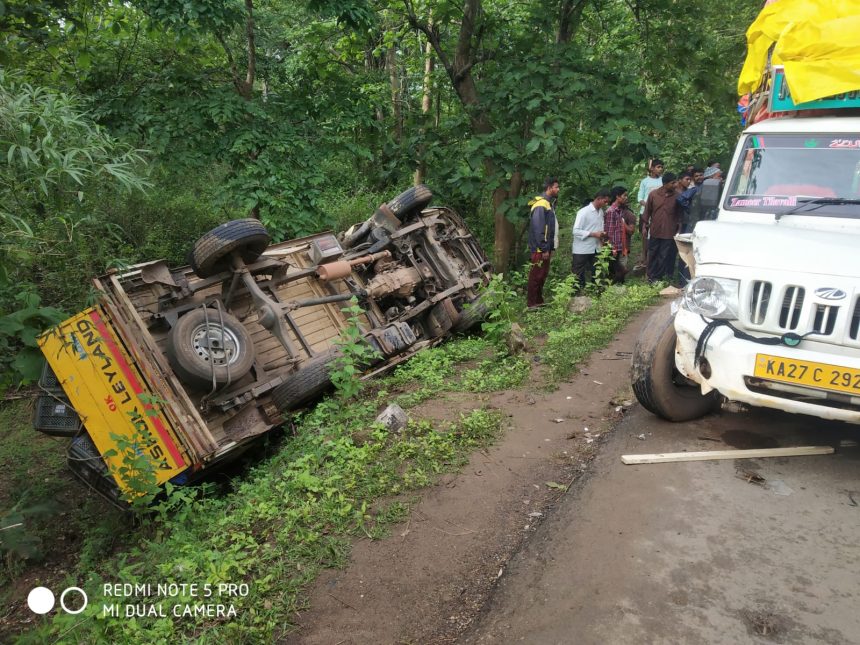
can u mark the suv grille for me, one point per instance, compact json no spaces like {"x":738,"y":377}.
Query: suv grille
{"x":774,"y":308}
{"x":825,"y":319}
{"x":854,"y":328}
{"x":759,"y":300}
{"x":792,"y":304}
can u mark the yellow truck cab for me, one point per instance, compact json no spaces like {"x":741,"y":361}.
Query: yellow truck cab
{"x":189,"y":365}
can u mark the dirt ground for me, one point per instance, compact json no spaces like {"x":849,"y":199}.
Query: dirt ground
{"x":429,"y":580}
{"x":757,"y":551}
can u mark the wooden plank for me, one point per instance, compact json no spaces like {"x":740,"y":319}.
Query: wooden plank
{"x":322,"y":346}
{"x":304,"y":315}
{"x":145,"y":300}
{"x":295,"y":290}
{"x":755,"y":453}
{"x":321,"y":336}
{"x":270,"y":350}
{"x":309,"y":326}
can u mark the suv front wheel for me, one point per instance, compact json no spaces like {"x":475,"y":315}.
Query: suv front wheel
{"x":657,"y":383}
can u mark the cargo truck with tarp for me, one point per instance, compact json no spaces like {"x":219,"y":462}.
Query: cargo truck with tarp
{"x":771,"y":317}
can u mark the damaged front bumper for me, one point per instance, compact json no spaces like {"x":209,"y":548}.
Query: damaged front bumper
{"x":794,"y":379}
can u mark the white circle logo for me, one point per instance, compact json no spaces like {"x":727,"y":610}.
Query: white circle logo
{"x":40,"y":600}
{"x":63,"y":600}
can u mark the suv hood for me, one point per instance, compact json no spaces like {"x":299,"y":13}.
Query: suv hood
{"x":773,"y":246}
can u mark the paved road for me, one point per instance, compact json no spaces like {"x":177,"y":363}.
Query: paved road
{"x":692,"y":552}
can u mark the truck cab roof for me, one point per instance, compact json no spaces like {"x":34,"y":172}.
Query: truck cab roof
{"x":808,"y":124}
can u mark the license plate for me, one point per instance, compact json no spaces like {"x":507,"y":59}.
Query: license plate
{"x":808,"y":373}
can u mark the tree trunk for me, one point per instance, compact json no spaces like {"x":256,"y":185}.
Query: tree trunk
{"x":505,"y":231}
{"x":569,"y":19}
{"x":371,"y":64}
{"x":245,"y":85}
{"x":251,"y":71}
{"x":459,"y":70}
{"x":394,"y":80}
{"x":426,"y":106}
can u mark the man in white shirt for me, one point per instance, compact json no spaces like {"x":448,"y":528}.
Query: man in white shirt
{"x":588,"y":235}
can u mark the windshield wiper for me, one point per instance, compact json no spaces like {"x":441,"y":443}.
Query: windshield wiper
{"x":817,"y":202}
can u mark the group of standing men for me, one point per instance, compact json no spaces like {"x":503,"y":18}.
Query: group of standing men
{"x":668,"y":206}
{"x":592,"y":229}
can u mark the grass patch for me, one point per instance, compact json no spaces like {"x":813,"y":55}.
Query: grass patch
{"x":46,"y":511}
{"x":287,"y":519}
{"x":498,"y":373}
{"x":572,"y":337}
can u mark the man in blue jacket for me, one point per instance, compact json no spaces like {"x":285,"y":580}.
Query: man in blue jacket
{"x":542,"y":238}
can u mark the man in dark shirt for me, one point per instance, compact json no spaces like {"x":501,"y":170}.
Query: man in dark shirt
{"x":685,"y":200}
{"x":661,"y":218}
{"x":542,"y":232}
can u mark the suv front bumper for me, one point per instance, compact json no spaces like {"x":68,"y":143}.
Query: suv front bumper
{"x":733,"y":362}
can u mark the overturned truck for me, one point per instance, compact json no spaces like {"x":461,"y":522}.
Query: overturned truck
{"x":189,"y":365}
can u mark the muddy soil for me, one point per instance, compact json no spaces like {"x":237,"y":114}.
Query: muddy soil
{"x":428,"y":581}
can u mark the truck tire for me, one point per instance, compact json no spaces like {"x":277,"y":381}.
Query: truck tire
{"x":211,"y":253}
{"x":657,"y":384}
{"x":410,"y":199}
{"x":306,"y":384}
{"x":472,"y":315}
{"x":196,"y":349}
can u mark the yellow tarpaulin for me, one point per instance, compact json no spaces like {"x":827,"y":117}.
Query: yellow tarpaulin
{"x":818,"y":42}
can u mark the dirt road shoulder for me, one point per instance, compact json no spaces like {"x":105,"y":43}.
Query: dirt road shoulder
{"x":427,"y":581}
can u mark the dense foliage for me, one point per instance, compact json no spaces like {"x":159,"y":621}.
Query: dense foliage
{"x":127,"y":129}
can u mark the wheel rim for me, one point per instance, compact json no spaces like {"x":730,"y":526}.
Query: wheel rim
{"x":215,"y":344}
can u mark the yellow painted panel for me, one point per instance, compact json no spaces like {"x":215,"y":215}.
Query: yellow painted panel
{"x":109,"y":392}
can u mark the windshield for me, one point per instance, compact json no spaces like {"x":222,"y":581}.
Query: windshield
{"x":780,"y":172}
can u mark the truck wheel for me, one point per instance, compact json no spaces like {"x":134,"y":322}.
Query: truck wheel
{"x":306,"y":384}
{"x":472,"y":315}
{"x":211,"y":253}
{"x":197,"y":348}
{"x":410,"y":199}
{"x":657,"y":384}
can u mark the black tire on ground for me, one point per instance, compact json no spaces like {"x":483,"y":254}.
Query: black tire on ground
{"x":307,"y":383}
{"x":211,"y":253}
{"x":410,"y":199}
{"x":195,"y":350}
{"x":472,"y":314}
{"x":657,"y":384}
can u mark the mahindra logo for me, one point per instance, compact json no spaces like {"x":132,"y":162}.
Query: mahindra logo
{"x":829,"y":293}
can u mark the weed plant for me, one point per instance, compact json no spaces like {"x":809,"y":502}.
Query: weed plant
{"x":498,"y":373}
{"x":573,"y":338}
